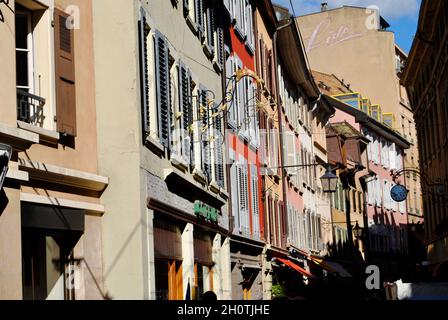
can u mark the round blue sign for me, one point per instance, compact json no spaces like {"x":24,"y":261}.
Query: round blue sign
{"x":399,"y":193}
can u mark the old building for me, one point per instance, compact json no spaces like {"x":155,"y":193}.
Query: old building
{"x":243,"y":143}
{"x":427,"y":85}
{"x":386,"y":220}
{"x":161,"y":118}
{"x":352,"y":42}
{"x":50,"y":215}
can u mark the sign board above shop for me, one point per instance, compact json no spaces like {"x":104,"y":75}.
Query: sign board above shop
{"x":206,"y":212}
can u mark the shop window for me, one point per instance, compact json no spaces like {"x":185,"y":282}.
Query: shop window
{"x":48,"y":265}
{"x":203,"y":280}
{"x":169,"y":281}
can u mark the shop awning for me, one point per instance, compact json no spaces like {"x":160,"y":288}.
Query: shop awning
{"x":299,"y":269}
{"x":339,"y":268}
{"x":323,"y":264}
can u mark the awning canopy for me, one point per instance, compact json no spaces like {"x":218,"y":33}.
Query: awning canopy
{"x":322,"y":263}
{"x":339,"y":269}
{"x":297,"y":268}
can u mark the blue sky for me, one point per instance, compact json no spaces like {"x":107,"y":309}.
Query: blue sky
{"x":402,"y":15}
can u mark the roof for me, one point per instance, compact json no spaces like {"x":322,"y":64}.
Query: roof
{"x":371,"y":123}
{"x":383,"y":21}
{"x":344,"y":129}
{"x":329,"y":84}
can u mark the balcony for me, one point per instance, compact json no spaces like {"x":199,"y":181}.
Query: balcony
{"x":30,"y":108}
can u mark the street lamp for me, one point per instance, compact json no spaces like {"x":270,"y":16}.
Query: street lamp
{"x":329,"y":181}
{"x":358,"y":231}
{"x":5,"y":156}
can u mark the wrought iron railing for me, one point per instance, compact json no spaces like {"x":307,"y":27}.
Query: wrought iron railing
{"x":30,"y":108}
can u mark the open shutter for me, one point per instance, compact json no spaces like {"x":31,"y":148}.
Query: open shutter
{"x":219,"y":149}
{"x":143,"y":32}
{"x":163,"y":89}
{"x":199,"y":11}
{"x":255,"y":201}
{"x":234,"y":182}
{"x":219,"y":37}
{"x":187,"y":112}
{"x":204,"y":116}
{"x":211,"y":24}
{"x":65,"y":75}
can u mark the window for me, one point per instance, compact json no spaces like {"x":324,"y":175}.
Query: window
{"x":24,"y":50}
{"x":169,"y":283}
{"x":255,"y":202}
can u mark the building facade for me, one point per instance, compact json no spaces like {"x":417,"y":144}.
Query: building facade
{"x":166,"y":235}
{"x":243,"y":143}
{"x":51,"y":211}
{"x":352,"y":42}
{"x":427,"y":88}
{"x":386,"y":220}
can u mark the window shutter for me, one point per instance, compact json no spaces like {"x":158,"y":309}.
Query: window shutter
{"x":187,"y":5}
{"x":163,"y":89}
{"x":65,"y":75}
{"x":143,"y":32}
{"x":199,"y":11}
{"x":219,"y":149}
{"x":235,"y":190}
{"x":187,"y":112}
{"x":204,"y":115}
{"x":219,"y":46}
{"x":255,"y":201}
{"x":211,"y":25}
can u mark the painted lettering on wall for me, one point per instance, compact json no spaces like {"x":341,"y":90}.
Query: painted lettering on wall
{"x":326,"y":35}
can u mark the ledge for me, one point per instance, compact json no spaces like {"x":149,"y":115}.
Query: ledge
{"x":45,"y":135}
{"x":167,"y":173}
{"x":17,"y":175}
{"x":19,"y":139}
{"x":92,"y":208}
{"x":63,"y":176}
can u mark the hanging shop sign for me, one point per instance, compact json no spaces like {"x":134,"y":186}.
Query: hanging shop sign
{"x":399,"y":193}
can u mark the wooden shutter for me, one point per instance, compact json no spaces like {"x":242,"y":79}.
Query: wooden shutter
{"x":143,"y":32}
{"x":204,"y":116}
{"x":219,"y":149}
{"x":187,"y":113}
{"x":234,"y":183}
{"x":199,"y":11}
{"x":65,"y":75}
{"x":163,"y":89}
{"x":211,"y":24}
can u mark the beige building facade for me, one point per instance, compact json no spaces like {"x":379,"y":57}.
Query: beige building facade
{"x":165,"y":235}
{"x":354,"y":43}
{"x":50,"y":212}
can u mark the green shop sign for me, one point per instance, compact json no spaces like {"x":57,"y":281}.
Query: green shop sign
{"x":205,"y":211}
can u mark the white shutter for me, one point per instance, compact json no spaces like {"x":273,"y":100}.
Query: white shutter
{"x":250,"y":27}
{"x":393,"y":157}
{"x":235,"y":190}
{"x":255,"y":201}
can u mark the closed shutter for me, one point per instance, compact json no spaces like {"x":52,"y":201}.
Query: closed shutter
{"x":163,"y":89}
{"x":199,"y":11}
{"x":187,"y":5}
{"x":143,"y":32}
{"x":187,"y":112}
{"x":219,"y":146}
{"x":65,"y":75}
{"x":204,"y":116}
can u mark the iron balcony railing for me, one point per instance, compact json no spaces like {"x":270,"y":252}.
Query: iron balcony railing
{"x":30,"y":108}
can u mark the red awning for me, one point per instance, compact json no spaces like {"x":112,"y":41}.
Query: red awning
{"x":299,"y":269}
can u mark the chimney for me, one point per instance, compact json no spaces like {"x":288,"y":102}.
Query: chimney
{"x":324,"y":6}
